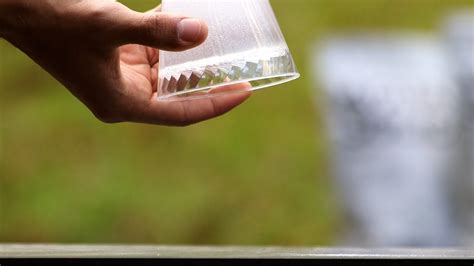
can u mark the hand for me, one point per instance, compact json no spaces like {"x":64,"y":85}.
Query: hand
{"x":105,"y":54}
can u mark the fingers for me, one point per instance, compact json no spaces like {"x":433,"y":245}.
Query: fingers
{"x":187,"y":112}
{"x":159,"y":30}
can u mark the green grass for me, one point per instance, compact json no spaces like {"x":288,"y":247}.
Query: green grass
{"x":258,"y":176}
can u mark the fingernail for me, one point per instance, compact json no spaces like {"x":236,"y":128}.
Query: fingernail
{"x":189,"y":30}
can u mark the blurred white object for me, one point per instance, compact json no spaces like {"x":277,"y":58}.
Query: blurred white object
{"x":459,"y":37}
{"x":459,"y":34}
{"x":245,"y":44}
{"x":392,"y":112}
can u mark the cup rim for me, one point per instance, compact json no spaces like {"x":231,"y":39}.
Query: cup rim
{"x":184,"y":95}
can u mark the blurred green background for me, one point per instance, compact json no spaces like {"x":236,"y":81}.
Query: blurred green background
{"x":257,"y":176}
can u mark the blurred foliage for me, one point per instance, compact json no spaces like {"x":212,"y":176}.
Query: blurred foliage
{"x":258,"y":176}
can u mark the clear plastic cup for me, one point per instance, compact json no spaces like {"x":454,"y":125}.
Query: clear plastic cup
{"x":245,"y":44}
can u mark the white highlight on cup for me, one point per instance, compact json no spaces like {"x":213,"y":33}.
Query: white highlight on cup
{"x":245,"y":44}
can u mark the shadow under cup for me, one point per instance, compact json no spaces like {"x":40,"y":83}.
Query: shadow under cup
{"x":245,"y":45}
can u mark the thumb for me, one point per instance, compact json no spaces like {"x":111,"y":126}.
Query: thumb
{"x":159,"y":30}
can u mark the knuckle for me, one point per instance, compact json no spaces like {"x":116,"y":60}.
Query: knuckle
{"x":161,"y":28}
{"x":85,"y":16}
{"x":99,"y":19}
{"x":97,"y":10}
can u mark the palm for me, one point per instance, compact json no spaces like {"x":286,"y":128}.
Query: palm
{"x":139,"y":65}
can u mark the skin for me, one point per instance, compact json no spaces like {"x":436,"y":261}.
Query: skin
{"x":106,"y":55}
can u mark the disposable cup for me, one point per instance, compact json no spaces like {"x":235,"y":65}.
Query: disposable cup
{"x":244,"y":45}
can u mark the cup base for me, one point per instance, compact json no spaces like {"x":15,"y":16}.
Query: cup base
{"x":261,"y":69}
{"x":211,"y":91}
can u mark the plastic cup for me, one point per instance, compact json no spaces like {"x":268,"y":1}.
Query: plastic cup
{"x":245,"y":44}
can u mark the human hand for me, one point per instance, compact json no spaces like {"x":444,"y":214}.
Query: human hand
{"x":105,"y":54}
